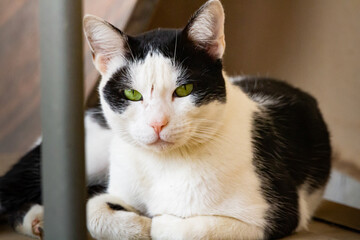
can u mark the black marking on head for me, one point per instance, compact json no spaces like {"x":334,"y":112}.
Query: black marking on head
{"x":292,"y":148}
{"x":113,"y":90}
{"x":199,"y":68}
{"x":115,"y":207}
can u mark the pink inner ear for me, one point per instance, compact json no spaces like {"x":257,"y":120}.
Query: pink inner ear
{"x":217,"y":49}
{"x":207,"y":29}
{"x":101,"y":63}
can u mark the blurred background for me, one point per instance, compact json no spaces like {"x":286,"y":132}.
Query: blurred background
{"x":314,"y":45}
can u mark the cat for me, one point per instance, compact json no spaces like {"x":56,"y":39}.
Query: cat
{"x":188,"y":152}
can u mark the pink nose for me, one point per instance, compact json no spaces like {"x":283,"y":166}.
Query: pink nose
{"x":159,"y":125}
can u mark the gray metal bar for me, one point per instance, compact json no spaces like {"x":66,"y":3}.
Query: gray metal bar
{"x":63,"y":174}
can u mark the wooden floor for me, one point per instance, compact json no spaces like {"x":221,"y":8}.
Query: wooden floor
{"x":317,"y":231}
{"x":20,"y":69}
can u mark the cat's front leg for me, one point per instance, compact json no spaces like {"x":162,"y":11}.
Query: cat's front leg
{"x":32,"y":223}
{"x":110,"y":218}
{"x":202,"y":227}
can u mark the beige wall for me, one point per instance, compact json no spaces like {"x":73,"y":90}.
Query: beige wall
{"x":314,"y":44}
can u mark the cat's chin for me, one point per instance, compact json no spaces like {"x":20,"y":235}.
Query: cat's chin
{"x":160,"y":146}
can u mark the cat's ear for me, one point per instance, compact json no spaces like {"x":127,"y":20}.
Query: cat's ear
{"x":106,"y":42}
{"x":206,"y":28}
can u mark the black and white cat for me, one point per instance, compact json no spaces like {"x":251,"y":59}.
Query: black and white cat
{"x":191,"y":152}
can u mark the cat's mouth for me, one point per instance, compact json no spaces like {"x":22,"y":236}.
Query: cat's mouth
{"x":161,"y":144}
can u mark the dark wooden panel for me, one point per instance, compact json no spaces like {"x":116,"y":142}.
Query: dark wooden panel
{"x":19,"y":74}
{"x":19,"y":71}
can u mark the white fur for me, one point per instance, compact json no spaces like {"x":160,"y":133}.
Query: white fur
{"x":202,"y":227}
{"x":239,"y":78}
{"x":195,"y":178}
{"x":37,"y":142}
{"x":308,"y":203}
{"x":97,"y":142}
{"x":105,"y":223}
{"x":36,"y":212}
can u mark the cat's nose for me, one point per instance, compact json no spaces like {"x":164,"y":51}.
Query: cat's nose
{"x":158,"y":125}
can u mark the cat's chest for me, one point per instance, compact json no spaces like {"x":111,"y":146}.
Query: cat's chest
{"x":171,"y":188}
{"x":182,"y":188}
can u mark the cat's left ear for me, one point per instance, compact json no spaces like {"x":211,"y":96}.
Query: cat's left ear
{"x":206,"y":28}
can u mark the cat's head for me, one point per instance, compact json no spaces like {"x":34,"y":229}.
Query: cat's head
{"x":164,"y":89}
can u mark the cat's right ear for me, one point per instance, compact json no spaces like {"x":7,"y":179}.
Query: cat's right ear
{"x":107,"y":43}
{"x":206,"y":28}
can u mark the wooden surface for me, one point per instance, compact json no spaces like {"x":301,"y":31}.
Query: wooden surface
{"x":318,"y":230}
{"x":19,"y":75}
{"x":19,"y":69}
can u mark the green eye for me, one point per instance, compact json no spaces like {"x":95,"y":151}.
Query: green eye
{"x":184,"y":90}
{"x":132,"y":95}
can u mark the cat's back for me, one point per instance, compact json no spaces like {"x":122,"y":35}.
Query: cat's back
{"x":272,"y":93}
{"x":289,"y":124}
{"x":291,"y":147}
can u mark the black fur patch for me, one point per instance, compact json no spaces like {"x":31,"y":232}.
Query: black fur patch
{"x":96,"y":189}
{"x":200,"y":69}
{"x":16,"y":217}
{"x":115,"y":207}
{"x":20,"y":187}
{"x":22,"y":183}
{"x":113,"y":90}
{"x":292,"y":147}
{"x":98,"y":115}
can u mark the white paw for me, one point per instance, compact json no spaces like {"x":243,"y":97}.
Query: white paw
{"x":33,"y":222}
{"x":104,"y":222}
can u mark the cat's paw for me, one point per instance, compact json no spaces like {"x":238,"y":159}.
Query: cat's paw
{"x":164,"y":226}
{"x":110,"y":218}
{"x":37,"y":227}
{"x":33,"y":222}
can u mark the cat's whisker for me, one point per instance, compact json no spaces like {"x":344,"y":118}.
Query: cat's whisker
{"x":176,"y":39}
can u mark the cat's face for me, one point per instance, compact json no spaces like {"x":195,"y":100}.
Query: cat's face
{"x":164,"y":89}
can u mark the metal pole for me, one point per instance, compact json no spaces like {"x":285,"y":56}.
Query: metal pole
{"x":63,"y":174}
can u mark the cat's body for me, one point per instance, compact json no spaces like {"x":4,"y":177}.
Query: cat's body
{"x":193,"y":153}
{"x":20,"y":187}
{"x":228,"y":176}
